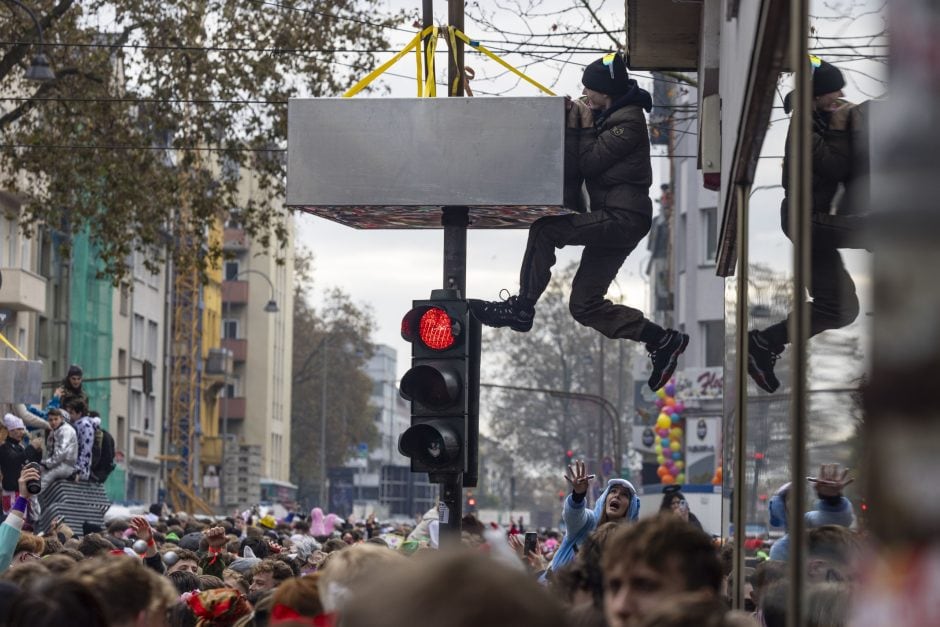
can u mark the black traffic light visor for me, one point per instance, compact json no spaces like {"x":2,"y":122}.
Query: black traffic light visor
{"x":431,"y":385}
{"x":433,"y":443}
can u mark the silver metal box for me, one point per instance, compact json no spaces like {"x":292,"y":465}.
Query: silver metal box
{"x":20,"y":381}
{"x":393,"y":162}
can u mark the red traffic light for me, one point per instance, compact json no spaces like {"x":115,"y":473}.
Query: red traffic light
{"x":569,"y":453}
{"x":432,"y":326}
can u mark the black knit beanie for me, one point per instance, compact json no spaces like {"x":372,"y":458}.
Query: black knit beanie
{"x":74,"y":370}
{"x":827,"y":79}
{"x":598,"y":76}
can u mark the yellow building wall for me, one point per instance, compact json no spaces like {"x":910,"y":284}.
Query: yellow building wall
{"x":211,"y":339}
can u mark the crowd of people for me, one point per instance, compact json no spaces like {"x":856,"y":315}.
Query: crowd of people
{"x":63,"y":441}
{"x":609,"y":567}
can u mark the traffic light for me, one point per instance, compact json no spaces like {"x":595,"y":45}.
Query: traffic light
{"x":441,"y":386}
{"x":471,"y":502}
{"x":147,"y":376}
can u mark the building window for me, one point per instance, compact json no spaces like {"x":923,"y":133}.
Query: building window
{"x":140,"y":271}
{"x":125,"y":299}
{"x":122,"y":365}
{"x":42,"y":345}
{"x":153,"y":341}
{"x":137,"y":410}
{"x":150,"y":411}
{"x":229,"y":329}
{"x":120,"y":434}
{"x":231,"y":270}
{"x":680,"y":244}
{"x":137,"y":337}
{"x":714,"y":333}
{"x":710,"y":234}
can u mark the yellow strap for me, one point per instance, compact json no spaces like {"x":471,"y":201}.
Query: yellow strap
{"x":420,"y":73}
{"x":476,"y":45}
{"x":12,"y":348}
{"x":430,"y":84}
{"x":371,"y":76}
{"x":453,"y":51}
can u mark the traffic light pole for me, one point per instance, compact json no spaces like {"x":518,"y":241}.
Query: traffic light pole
{"x":455,"y":221}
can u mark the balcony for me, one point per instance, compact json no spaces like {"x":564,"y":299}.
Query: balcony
{"x":22,"y":290}
{"x":238,"y":347}
{"x":235,"y":292}
{"x":232,"y":408}
{"x":236,"y":240}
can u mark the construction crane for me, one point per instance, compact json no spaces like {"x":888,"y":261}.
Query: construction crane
{"x":185,"y":385}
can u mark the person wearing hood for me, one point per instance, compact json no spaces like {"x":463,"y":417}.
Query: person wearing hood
{"x":607,"y":143}
{"x":13,"y":456}
{"x":831,"y":509}
{"x":836,"y":139}
{"x":71,"y":388}
{"x":617,"y":503}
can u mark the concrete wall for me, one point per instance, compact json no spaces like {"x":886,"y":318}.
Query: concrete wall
{"x":699,"y":293}
{"x":139,"y":319}
{"x":266,"y":377}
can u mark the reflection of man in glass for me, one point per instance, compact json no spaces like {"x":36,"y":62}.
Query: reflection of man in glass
{"x":835,"y":304}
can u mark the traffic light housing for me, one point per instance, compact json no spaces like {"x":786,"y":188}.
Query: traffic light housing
{"x":147,"y":378}
{"x":442,"y":386}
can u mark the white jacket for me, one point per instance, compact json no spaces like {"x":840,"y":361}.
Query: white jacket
{"x":61,"y":447}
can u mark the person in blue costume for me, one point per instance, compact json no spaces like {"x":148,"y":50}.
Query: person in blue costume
{"x":831,"y":509}
{"x":617,"y":503}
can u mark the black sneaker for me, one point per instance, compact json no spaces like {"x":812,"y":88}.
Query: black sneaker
{"x":665,"y":356}
{"x":503,"y":313}
{"x":761,"y":358}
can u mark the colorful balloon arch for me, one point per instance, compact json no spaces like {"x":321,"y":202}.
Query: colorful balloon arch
{"x":670,"y":431}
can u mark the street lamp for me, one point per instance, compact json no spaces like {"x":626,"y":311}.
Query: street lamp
{"x":269,"y":307}
{"x":607,"y":406}
{"x":39,"y":69}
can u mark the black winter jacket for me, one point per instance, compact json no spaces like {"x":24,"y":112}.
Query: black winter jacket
{"x":13,"y":455}
{"x":614,"y":156}
{"x":832,"y":161}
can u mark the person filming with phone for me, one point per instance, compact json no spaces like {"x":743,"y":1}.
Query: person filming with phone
{"x":674,"y":502}
{"x":13,"y":456}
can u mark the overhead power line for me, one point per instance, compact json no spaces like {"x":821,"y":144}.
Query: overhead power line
{"x":213,"y":149}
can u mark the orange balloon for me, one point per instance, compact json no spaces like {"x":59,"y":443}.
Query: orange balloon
{"x":662,"y":470}
{"x":716,"y":480}
{"x":668,"y":479}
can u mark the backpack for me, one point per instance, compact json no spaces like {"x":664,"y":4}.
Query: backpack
{"x":102,"y":456}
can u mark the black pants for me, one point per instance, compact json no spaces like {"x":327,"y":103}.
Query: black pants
{"x":835,"y":302}
{"x":608,"y":237}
